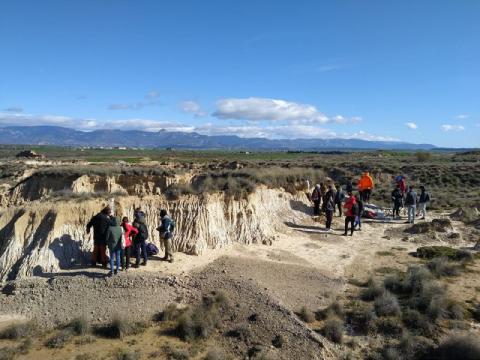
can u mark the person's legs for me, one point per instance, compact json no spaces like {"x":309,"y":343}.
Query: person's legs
{"x":103,"y":254}
{"x":128,"y":252}
{"x":316,"y":207}
{"x":111,"y":251}
{"x":346,"y":225}
{"x":352,"y":228}
{"x":138,"y":247}
{"x":122,"y":257}
{"x":118,"y":254}
{"x":144,"y":252}
{"x":95,"y":254}
{"x":329,"y":216}
{"x":422,"y":207}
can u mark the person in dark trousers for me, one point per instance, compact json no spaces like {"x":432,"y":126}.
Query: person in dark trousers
{"x":140,"y":241}
{"x":339,"y":199}
{"x":114,"y":243}
{"x":397,"y":198}
{"x":411,"y":204}
{"x":351,"y":210}
{"x":166,"y":229}
{"x":316,"y":198}
{"x":100,"y":223}
{"x":349,"y":187}
{"x":423,"y":199}
{"x":358,"y":216}
{"x":130,"y":232}
{"x":329,"y":206}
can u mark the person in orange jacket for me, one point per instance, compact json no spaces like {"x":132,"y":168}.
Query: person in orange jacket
{"x":365,"y":186}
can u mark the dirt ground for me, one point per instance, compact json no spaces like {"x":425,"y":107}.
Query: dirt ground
{"x":306,"y":266}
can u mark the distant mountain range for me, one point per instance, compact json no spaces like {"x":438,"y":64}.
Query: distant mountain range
{"x":54,"y":135}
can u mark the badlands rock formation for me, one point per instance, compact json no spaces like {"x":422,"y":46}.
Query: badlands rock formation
{"x":43,"y":234}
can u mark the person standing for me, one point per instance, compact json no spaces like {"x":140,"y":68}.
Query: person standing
{"x":329,"y":206}
{"x":349,"y":187}
{"x":140,"y":241}
{"x":130,"y":232}
{"x":351,"y":210}
{"x":114,"y":243}
{"x":339,"y":199}
{"x":166,"y":229}
{"x":422,"y":202}
{"x":365,"y":186}
{"x":100,"y":223}
{"x":358,"y":216}
{"x":316,"y":198}
{"x":411,"y":204}
{"x":397,"y":198}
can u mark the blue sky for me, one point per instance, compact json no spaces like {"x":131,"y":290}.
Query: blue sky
{"x":406,"y":70}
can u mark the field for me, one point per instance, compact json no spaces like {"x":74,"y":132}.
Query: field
{"x":255,"y":275}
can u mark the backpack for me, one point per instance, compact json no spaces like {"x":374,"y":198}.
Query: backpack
{"x":142,"y":232}
{"x":151,"y":249}
{"x":171,"y":228}
{"x":355,"y":209}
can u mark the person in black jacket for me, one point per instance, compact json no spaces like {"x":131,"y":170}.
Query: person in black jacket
{"x":411,"y":204}
{"x":339,"y":199}
{"x":397,"y":198}
{"x":329,"y":206}
{"x":423,"y":199}
{"x":100,"y":223}
{"x":140,"y":241}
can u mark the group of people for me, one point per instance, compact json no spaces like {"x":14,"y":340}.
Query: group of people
{"x":328,"y":198}
{"x":123,"y":238}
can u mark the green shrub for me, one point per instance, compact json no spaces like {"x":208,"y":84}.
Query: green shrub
{"x":306,"y":315}
{"x":334,"y":309}
{"x":441,"y":266}
{"x":372,"y":291}
{"x":387,"y":304}
{"x":18,"y":330}
{"x":415,"y":347}
{"x":125,"y":354}
{"x":79,"y":325}
{"x":417,"y":323}
{"x":59,"y":340}
{"x":430,"y":252}
{"x":121,"y":327}
{"x":333,"y":329}
{"x":202,"y":320}
{"x":361,"y":317}
{"x":388,"y":326}
{"x":468,"y":347}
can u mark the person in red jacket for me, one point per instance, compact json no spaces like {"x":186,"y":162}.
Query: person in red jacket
{"x":351,"y":210}
{"x":130,"y":232}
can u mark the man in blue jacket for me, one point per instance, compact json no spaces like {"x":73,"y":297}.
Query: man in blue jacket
{"x":166,"y":229}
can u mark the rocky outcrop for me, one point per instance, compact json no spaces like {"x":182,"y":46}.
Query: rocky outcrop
{"x":38,"y":187}
{"x":47,"y":236}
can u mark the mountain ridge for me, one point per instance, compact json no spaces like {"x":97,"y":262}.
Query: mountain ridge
{"x":62,"y":136}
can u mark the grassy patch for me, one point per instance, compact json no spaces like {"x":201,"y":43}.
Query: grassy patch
{"x":18,"y":331}
{"x":306,"y":315}
{"x":333,"y":329}
{"x":430,"y":252}
{"x":385,"y":253}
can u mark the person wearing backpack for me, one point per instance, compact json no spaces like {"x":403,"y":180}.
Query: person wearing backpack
{"x":422,"y":202}
{"x":339,"y":199}
{"x":329,"y":206}
{"x":114,"y":243}
{"x":351,"y":210}
{"x":166,"y":229}
{"x":100,"y":224}
{"x":316,"y":198}
{"x":411,"y":204}
{"x":358,"y":216}
{"x":130,"y":232}
{"x":397,"y":198}
{"x":140,"y":241}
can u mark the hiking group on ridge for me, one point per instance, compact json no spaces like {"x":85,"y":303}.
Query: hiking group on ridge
{"x":124,"y":239}
{"x":327,"y":198}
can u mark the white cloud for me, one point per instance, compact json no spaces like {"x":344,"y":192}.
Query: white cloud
{"x":192,"y":107}
{"x":253,"y":129}
{"x":447,"y":127}
{"x":257,"y":109}
{"x":19,"y":119}
{"x":328,"y":68}
{"x":152,"y":94}
{"x":411,"y":125}
{"x":462,"y":116}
